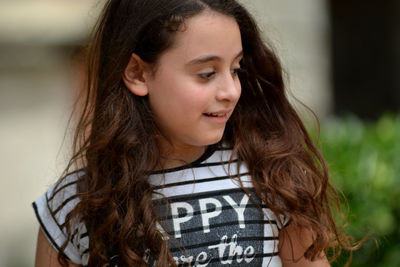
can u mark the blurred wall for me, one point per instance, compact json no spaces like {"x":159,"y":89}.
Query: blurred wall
{"x":38,"y":77}
{"x":300,"y":32}
{"x":366,"y":57}
{"x":37,"y":80}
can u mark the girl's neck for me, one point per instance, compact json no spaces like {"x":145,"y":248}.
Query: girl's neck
{"x":173,"y":156}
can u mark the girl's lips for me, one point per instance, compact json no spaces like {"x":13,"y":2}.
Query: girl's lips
{"x":220,"y":116}
{"x":217,"y":113}
{"x":219,"y":119}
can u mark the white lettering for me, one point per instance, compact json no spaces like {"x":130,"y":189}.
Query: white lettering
{"x":177,"y":221}
{"x":206,"y":216}
{"x":221,"y":248}
{"x":239,"y":208}
{"x":234,"y":251}
{"x":249,"y":254}
{"x":188,"y":259}
{"x":201,"y":260}
{"x":229,"y":252}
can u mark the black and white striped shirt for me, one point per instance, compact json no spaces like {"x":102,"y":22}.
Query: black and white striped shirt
{"x":208,"y":219}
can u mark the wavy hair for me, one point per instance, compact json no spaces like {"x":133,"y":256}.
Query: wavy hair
{"x":115,"y":140}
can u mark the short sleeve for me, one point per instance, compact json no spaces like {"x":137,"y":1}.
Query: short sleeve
{"x":51,"y":210}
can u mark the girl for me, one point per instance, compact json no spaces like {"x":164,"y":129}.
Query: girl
{"x":187,"y":152}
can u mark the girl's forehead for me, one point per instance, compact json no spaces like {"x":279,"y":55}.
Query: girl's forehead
{"x":207,"y":33}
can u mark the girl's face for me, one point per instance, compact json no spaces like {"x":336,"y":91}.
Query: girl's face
{"x":195,"y":87}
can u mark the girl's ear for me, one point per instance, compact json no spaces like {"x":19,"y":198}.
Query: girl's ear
{"x":134,"y":76}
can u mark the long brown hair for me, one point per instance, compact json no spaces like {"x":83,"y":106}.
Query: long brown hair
{"x":115,"y":141}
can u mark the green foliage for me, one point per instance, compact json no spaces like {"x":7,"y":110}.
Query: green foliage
{"x":364,"y":162}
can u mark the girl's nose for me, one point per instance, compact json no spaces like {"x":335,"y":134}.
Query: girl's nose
{"x":229,"y":88}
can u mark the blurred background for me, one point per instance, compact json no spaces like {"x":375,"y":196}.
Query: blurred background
{"x":342,"y":59}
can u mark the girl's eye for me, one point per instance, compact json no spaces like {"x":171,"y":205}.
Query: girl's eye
{"x":207,"y":75}
{"x":235,"y":71}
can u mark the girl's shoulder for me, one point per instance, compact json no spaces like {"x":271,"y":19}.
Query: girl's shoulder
{"x":52,"y":210}
{"x":62,"y":197}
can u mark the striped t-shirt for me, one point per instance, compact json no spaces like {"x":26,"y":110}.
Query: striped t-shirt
{"x":208,"y":218}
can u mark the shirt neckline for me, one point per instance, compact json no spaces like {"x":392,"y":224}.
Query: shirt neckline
{"x":207,"y":154}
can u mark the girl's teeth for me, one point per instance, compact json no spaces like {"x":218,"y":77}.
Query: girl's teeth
{"x":216,"y":114}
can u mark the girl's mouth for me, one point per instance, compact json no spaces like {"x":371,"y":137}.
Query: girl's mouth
{"x":215,"y":114}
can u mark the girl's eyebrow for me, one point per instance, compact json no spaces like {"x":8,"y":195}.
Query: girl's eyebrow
{"x":205,"y":59}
